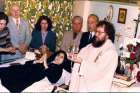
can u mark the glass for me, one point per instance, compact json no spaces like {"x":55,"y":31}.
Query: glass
{"x":75,"y":49}
{"x":72,"y":53}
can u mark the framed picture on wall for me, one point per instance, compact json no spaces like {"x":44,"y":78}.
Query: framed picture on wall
{"x":122,"y":15}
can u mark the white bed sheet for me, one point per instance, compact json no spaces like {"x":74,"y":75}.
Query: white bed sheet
{"x":3,"y":89}
{"x":41,"y":86}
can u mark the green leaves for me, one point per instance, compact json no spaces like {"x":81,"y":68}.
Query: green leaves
{"x":60,"y":12}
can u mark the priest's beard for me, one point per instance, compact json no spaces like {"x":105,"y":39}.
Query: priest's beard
{"x":98,"y":43}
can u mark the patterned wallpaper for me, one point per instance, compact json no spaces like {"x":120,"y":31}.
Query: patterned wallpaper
{"x":60,"y":11}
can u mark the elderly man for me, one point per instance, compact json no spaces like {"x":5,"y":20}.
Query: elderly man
{"x":72,"y":38}
{"x":94,"y":69}
{"x":19,"y":33}
{"x":87,"y":37}
{"x":71,"y":41}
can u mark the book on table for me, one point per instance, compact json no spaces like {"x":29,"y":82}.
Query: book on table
{"x":123,"y":81}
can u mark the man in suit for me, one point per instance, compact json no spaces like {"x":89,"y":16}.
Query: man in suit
{"x":19,"y":33}
{"x":72,"y":38}
{"x":87,"y":37}
{"x":71,"y":41}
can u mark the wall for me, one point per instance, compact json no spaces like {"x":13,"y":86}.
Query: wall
{"x":81,"y":8}
{"x":1,"y":5}
{"x":100,"y":8}
{"x":77,"y":7}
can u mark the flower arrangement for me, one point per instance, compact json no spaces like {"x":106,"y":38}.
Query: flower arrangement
{"x":131,"y":59}
{"x":134,"y":54}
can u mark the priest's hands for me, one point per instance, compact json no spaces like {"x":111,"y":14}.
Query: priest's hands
{"x":73,"y":57}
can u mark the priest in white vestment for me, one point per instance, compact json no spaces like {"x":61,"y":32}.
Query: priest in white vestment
{"x":95,"y":64}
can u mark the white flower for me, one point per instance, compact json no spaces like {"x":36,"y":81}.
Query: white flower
{"x":50,"y":7}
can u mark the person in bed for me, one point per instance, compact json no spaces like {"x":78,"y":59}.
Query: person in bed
{"x":18,"y":77}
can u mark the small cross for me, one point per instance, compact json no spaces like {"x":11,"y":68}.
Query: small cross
{"x":118,"y":36}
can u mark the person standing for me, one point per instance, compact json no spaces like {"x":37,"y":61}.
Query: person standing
{"x":93,"y":69}
{"x":72,"y":38}
{"x":87,"y":37}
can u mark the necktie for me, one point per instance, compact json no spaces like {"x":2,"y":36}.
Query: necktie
{"x":17,"y":23}
{"x":90,"y":36}
{"x":74,"y":35}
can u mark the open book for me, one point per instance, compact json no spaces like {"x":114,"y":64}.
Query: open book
{"x":123,"y":83}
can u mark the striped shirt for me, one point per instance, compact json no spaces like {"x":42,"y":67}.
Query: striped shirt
{"x":5,"y":38}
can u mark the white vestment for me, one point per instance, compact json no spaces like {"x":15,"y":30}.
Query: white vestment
{"x":96,"y":71}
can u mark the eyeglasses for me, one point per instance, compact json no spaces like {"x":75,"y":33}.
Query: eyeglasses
{"x":99,"y":32}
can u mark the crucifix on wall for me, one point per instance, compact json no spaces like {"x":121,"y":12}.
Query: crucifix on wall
{"x":137,"y":24}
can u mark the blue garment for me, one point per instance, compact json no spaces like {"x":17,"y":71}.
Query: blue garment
{"x":50,"y":40}
{"x":18,"y":36}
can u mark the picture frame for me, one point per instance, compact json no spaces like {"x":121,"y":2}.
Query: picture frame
{"x":122,"y":15}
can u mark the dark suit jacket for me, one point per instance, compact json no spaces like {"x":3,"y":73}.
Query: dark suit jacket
{"x":50,"y":40}
{"x":85,"y":40}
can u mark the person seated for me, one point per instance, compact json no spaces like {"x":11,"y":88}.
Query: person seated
{"x":5,"y":42}
{"x":19,"y":33}
{"x":42,"y":36}
{"x":18,"y":77}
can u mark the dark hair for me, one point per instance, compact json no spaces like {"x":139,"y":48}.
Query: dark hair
{"x":51,"y":58}
{"x":66,"y":64}
{"x":43,"y":17}
{"x":109,"y":29}
{"x":94,"y":15}
{"x":3,"y":16}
